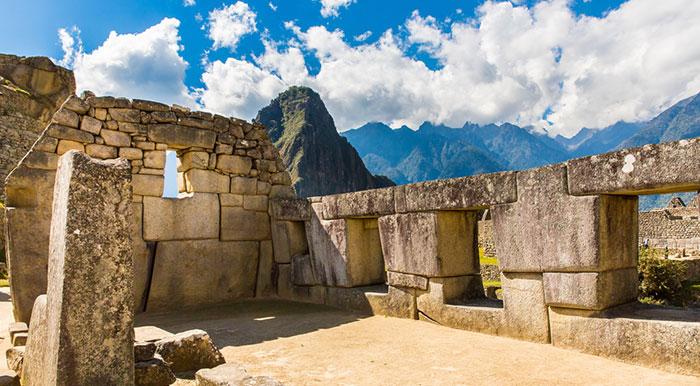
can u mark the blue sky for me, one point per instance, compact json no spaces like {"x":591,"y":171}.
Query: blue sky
{"x":555,"y":64}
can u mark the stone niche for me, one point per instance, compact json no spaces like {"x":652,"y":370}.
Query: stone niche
{"x":203,"y":247}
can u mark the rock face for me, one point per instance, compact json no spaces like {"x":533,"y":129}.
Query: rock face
{"x":153,"y":372}
{"x":319,"y":160}
{"x":189,"y":350}
{"x":89,"y":312}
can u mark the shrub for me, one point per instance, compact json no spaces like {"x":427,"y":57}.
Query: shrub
{"x":660,"y":279}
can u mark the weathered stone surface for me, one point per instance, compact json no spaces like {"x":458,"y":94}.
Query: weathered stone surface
{"x":174,"y":284}
{"x":279,"y":178}
{"x":20,"y":339}
{"x":192,"y":217}
{"x":180,"y":137}
{"x":266,"y":284}
{"x":292,"y":209}
{"x":282,"y":191}
{"x":193,"y":122}
{"x":164,"y":116}
{"x":302,"y":271}
{"x":28,"y":222}
{"x":193,"y":160}
{"x":149,"y":105}
{"x":260,"y":381}
{"x":144,"y":351}
{"x":432,"y":244}
{"x":65,"y":145}
{"x":150,"y":334}
{"x":285,"y":287}
{"x":405,"y":280}
{"x":649,"y":169}
{"x":474,"y":192}
{"x":76,"y":104}
{"x":257,"y":203}
{"x":125,"y":115}
{"x":131,"y":153}
{"x":153,"y":372}
{"x":229,"y":374}
{"x":148,"y":185}
{"x":524,"y":307}
{"x":446,"y":303}
{"x":103,"y":101}
{"x":665,"y":338}
{"x":208,"y":181}
{"x":549,"y":230}
{"x":101,"y":151}
{"x":591,"y":290}
{"x":240,"y":224}
{"x":115,"y":138}
{"x":344,"y":253}
{"x":231,"y":199}
{"x":17,"y":327}
{"x":234,"y":164}
{"x":97,"y":193}
{"x":368,"y":203}
{"x":35,"y":360}
{"x":91,"y":125}
{"x":243,"y":185}
{"x":154,"y":159}
{"x":289,"y":239}
{"x":374,"y":300}
{"x":66,"y":117}
{"x":15,"y":359}
{"x":41,"y":160}
{"x":189,"y":350}
{"x":71,"y":134}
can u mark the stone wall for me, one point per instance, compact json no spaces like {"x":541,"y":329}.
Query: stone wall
{"x":565,"y":236}
{"x":31,"y":90}
{"x":671,"y":227}
{"x":203,"y":247}
{"x":486,"y":238}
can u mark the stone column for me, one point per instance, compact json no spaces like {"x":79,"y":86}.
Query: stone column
{"x":90,"y":301}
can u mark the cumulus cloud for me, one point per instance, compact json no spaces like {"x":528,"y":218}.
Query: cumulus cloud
{"x":188,"y":3}
{"x":145,"y":65}
{"x":229,"y":24}
{"x":330,"y":7}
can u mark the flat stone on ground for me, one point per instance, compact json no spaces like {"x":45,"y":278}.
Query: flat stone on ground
{"x":153,"y":372}
{"x":189,"y":350}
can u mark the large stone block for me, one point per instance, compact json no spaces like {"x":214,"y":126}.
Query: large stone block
{"x":405,"y":280}
{"x":525,"y":311}
{"x":302,"y":270}
{"x":153,"y":372}
{"x":241,"y":224}
{"x":367,"y":203}
{"x":193,"y":160}
{"x":650,"y":169}
{"x":474,"y":192}
{"x":90,"y":275}
{"x":266,"y":284}
{"x":190,"y":217}
{"x":35,"y":359}
{"x":234,"y":164}
{"x":208,"y":181}
{"x":188,"y":351}
{"x":181,"y":137}
{"x":143,"y":259}
{"x":591,"y":290}
{"x":432,"y":244}
{"x":189,"y":273}
{"x":373,"y":300}
{"x":148,"y":185}
{"x":664,"y":338}
{"x":344,"y":253}
{"x":289,"y":239}
{"x":290,"y":209}
{"x":547,"y":229}
{"x":29,"y":199}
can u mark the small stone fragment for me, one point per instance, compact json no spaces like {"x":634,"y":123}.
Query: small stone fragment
{"x":15,"y":359}
{"x":189,"y":350}
{"x":153,"y":372}
{"x":224,"y":375}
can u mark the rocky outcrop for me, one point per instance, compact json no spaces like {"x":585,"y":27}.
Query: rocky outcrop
{"x":318,"y":158}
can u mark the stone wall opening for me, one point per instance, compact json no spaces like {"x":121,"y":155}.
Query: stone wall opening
{"x":488,"y":261}
{"x":170,"y":189}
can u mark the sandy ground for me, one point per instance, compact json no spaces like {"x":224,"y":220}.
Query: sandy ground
{"x":301,"y":344}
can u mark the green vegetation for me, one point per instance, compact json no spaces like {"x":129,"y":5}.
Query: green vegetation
{"x":488,"y":260}
{"x":4,"y":283}
{"x":660,"y":281}
{"x":492,"y":284}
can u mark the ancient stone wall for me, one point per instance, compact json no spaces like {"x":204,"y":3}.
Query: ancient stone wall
{"x":200,"y":248}
{"x":671,"y":227}
{"x":565,"y":236}
{"x":486,"y":238}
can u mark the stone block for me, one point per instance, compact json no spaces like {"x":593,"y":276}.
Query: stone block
{"x":149,"y":105}
{"x":591,"y":290}
{"x":279,"y":178}
{"x":150,"y":334}
{"x":41,"y":160}
{"x":20,"y":339}
{"x":17,"y":327}
{"x":228,"y":374}
{"x":148,"y":185}
{"x":127,"y":127}
{"x":266,"y":284}
{"x":473,"y":192}
{"x":374,"y":300}
{"x":431,"y":244}
{"x":143,"y":259}
{"x":76,"y":104}
{"x":405,"y":280}
{"x":91,"y":125}
{"x":244,"y":185}
{"x":549,"y":230}
{"x":344,"y":253}
{"x":189,"y":217}
{"x":103,"y":101}
{"x":241,"y":224}
{"x":130,"y":153}
{"x":367,"y":203}
{"x":227,"y":199}
{"x":115,"y":138}
{"x":175,"y":284}
{"x":15,"y":359}
{"x":650,"y":336}
{"x":524,"y":307}
{"x":155,"y":172}
{"x":164,"y":116}
{"x":65,"y":145}
{"x":181,"y":137}
{"x":101,"y":151}
{"x":97,"y":193}
{"x":445,"y":303}
{"x":189,"y":351}
{"x":285,"y":287}
{"x":144,"y":351}
{"x":153,"y":372}
{"x":47,"y":144}
{"x":282,"y":191}
{"x":292,"y":209}
{"x":256,"y":203}
{"x":154,"y":159}
{"x":263,"y":188}
{"x":302,"y":271}
{"x":649,"y":169}
{"x":207,"y":181}
{"x":289,"y":239}
{"x":66,"y":117}
{"x":125,"y":115}
{"x":35,"y":359}
{"x":234,"y":164}
{"x":193,"y":160}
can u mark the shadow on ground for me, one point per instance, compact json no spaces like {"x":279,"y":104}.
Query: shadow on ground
{"x":250,"y":322}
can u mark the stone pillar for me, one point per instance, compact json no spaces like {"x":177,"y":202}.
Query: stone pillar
{"x":90,"y":301}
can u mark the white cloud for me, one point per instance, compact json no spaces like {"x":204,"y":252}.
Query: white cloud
{"x":69,"y":46}
{"x":363,"y":37}
{"x":144,"y":65}
{"x":188,"y":3}
{"x":228,"y":24}
{"x":273,"y":7}
{"x":330,"y":7}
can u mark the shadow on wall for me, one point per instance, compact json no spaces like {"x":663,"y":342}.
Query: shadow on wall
{"x":251,"y":322}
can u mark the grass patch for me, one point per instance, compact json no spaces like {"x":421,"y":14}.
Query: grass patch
{"x":492,"y":284}
{"x":487,"y":260}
